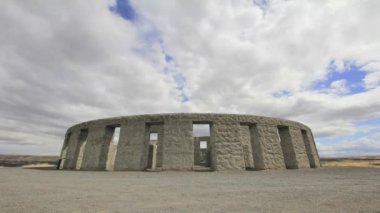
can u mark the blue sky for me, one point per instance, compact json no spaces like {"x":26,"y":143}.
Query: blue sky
{"x":352,"y":73}
{"x":66,"y":62}
{"x":124,"y":9}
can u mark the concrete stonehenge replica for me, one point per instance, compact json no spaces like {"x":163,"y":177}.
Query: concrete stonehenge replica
{"x":167,"y":142}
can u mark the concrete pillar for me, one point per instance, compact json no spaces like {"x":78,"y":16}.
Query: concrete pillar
{"x":132,"y":149}
{"x":107,"y":140}
{"x":226,"y":148}
{"x":208,"y":152}
{"x":111,"y":156}
{"x":70,"y":160}
{"x":197,"y":151}
{"x":287,"y":147}
{"x":64,"y":150}
{"x":245,"y":138}
{"x":266,"y":147}
{"x":96,"y":150}
{"x":63,"y":158}
{"x":152,"y":157}
{"x":311,"y":149}
{"x":178,"y":151}
{"x":82,"y":147}
{"x":299,"y":148}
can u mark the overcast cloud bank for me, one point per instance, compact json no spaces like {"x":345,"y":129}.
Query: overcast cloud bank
{"x":316,"y":62}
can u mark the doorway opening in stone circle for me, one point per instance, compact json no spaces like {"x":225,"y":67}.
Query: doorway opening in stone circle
{"x":152,"y":152}
{"x":247,"y":146}
{"x":155,"y":146}
{"x":80,"y":148}
{"x":202,"y":148}
{"x":112,"y":149}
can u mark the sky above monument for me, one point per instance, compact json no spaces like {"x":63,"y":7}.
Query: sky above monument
{"x":64,"y":62}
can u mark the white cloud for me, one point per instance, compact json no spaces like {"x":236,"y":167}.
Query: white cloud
{"x":62,"y":63}
{"x":369,"y":145}
{"x":339,"y":87}
{"x":234,"y":55}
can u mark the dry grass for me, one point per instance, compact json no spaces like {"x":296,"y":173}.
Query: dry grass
{"x":373,"y":163}
{"x":21,"y":160}
{"x":39,"y":165}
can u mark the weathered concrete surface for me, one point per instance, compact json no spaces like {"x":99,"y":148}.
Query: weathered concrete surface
{"x":299,"y":148}
{"x":287,"y":147}
{"x":80,"y":155}
{"x":134,"y":142}
{"x":152,"y":156}
{"x":111,"y":157}
{"x":79,"y":149}
{"x":95,"y":148}
{"x":227,"y":152}
{"x":70,"y":161}
{"x":64,"y":149}
{"x":311,"y":149}
{"x":236,"y":142}
{"x":245,"y":139}
{"x":178,"y":150}
{"x":267,"y":149}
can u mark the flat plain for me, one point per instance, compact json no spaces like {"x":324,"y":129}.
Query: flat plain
{"x":303,"y":190}
{"x":364,"y":161}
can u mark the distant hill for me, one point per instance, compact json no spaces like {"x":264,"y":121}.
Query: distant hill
{"x":21,"y":160}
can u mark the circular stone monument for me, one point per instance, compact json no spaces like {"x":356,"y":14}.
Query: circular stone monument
{"x":189,"y":141}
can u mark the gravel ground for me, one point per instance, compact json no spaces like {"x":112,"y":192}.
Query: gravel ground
{"x":304,"y":190}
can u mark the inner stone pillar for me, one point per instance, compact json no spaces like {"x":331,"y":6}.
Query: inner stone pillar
{"x":70,"y":160}
{"x":197,"y":151}
{"x":96,"y":147}
{"x":245,"y":138}
{"x":312,"y":152}
{"x":64,"y":150}
{"x":152,"y":156}
{"x":132,"y":146}
{"x":111,"y":156}
{"x":178,"y":151}
{"x":266,"y":147}
{"x":107,"y":140}
{"x":287,"y":147}
{"x":226,"y":148}
{"x":80,"y":148}
{"x":159,"y":129}
{"x":299,"y":148}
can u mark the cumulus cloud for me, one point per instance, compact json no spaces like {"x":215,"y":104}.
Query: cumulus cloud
{"x":63,"y":63}
{"x":369,"y":145}
{"x":236,"y":55}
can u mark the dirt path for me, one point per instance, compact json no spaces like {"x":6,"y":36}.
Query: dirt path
{"x":307,"y":190}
